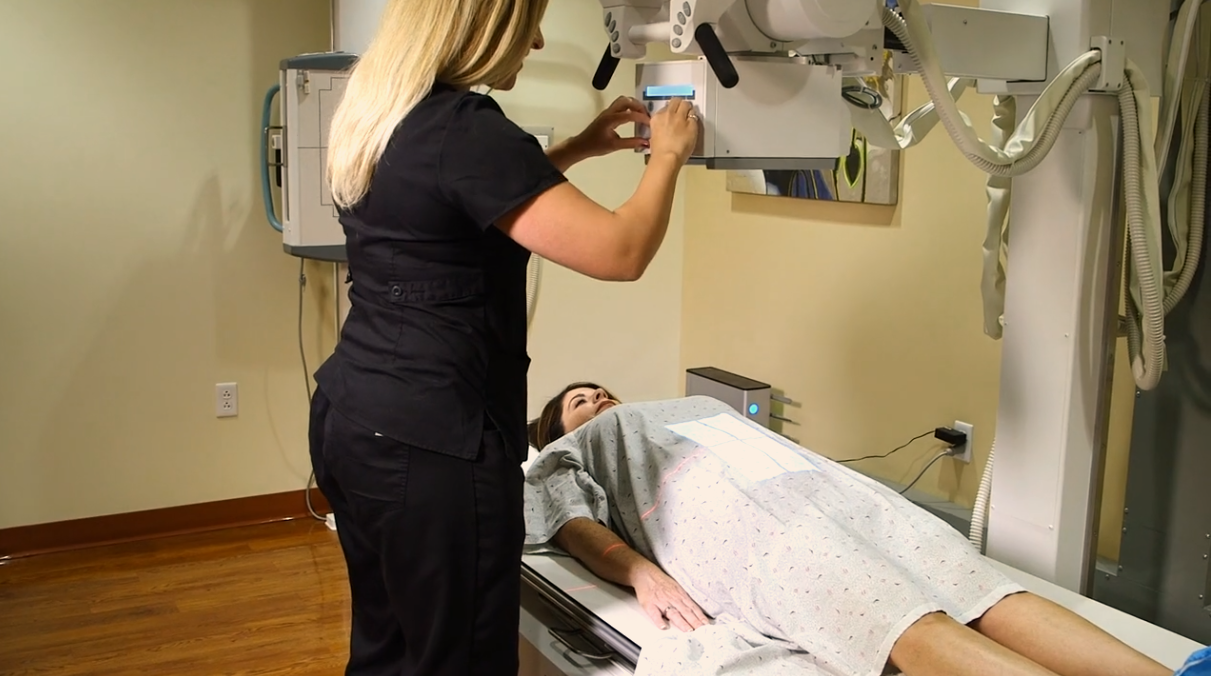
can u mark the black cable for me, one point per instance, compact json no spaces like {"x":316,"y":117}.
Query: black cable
{"x":307,"y":378}
{"x":302,"y":352}
{"x":862,"y":97}
{"x":931,"y":462}
{"x":906,"y":445}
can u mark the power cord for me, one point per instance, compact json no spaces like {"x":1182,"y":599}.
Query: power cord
{"x":862,"y":96}
{"x":897,"y":450}
{"x":931,"y":462}
{"x":953,"y":439}
{"x":307,"y":379}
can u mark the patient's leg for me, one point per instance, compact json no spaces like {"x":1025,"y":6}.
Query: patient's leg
{"x":938,"y":646}
{"x":1062,"y":640}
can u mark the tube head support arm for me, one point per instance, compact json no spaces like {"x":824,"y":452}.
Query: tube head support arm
{"x":718,"y":29}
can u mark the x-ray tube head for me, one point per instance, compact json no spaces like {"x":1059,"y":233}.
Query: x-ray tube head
{"x":802,"y":20}
{"x":845,"y":33}
{"x":784,"y":113}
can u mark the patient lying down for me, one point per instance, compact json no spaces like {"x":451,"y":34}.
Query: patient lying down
{"x":706,"y":514}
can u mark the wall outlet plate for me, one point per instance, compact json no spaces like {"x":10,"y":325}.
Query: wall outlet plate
{"x":226,"y":400}
{"x":545,"y":135}
{"x":963,"y":453}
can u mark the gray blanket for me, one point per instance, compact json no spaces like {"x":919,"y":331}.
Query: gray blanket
{"x":806,"y":566}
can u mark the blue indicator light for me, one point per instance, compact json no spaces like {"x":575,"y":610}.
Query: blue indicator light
{"x":662,"y":92}
{"x":753,"y":408}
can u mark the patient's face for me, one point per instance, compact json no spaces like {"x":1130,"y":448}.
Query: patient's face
{"x":582,"y":405}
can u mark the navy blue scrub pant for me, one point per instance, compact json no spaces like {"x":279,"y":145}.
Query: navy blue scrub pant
{"x":433,"y":547}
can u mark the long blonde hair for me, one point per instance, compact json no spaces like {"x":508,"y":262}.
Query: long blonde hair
{"x":462,"y":43}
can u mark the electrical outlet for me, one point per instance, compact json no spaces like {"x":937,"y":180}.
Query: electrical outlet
{"x":963,"y":453}
{"x":226,"y":400}
{"x":545,"y":135}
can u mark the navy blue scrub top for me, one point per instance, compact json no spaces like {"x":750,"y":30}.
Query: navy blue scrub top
{"x":433,"y":351}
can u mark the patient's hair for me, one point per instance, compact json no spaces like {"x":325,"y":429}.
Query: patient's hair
{"x":549,"y":425}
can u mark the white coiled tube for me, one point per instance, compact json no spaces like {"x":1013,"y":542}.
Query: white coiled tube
{"x":1028,"y":146}
{"x":1145,"y":307}
{"x":1189,"y":194}
{"x":999,"y":190}
{"x":979,"y":514}
{"x":533,"y":281}
{"x":1151,"y":292}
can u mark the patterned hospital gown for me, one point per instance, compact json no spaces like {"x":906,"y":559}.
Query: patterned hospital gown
{"x":816,"y":557}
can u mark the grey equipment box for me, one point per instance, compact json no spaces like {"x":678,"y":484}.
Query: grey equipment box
{"x":750,"y":397}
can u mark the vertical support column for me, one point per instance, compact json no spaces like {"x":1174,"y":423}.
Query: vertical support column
{"x":1061,"y":308}
{"x":1205,"y":597}
{"x":354,"y":23}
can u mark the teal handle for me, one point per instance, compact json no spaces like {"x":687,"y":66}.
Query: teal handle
{"x":266,"y":194}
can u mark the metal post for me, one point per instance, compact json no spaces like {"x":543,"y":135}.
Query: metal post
{"x":1061,"y":308}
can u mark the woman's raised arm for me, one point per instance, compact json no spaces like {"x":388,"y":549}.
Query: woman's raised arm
{"x":566,"y":227}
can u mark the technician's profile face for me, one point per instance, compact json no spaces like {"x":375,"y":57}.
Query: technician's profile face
{"x":509,"y":82}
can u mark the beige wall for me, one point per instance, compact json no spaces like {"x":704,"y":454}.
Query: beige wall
{"x":869,"y":317}
{"x":138,"y":270}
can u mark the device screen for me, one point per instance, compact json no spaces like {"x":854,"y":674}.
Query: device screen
{"x":666,"y":92}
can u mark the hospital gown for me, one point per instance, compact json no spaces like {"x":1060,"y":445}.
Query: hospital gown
{"x":798,"y":558}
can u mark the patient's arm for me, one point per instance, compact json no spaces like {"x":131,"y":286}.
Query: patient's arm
{"x":604,"y":553}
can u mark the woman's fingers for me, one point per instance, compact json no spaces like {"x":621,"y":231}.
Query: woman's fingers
{"x":683,"y":109}
{"x":631,"y":143}
{"x":684,"y":613}
{"x":692,"y":615}
{"x":655,"y":615}
{"x":675,"y":612}
{"x":625,"y":103}
{"x":618,"y":119}
{"x":692,"y":612}
{"x":676,"y":616}
{"x":663,"y":599}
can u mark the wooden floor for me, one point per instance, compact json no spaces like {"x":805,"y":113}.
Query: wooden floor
{"x":269,"y":599}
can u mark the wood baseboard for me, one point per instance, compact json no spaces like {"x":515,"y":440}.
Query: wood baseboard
{"x":133,"y":526}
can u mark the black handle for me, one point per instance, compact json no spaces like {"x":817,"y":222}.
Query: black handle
{"x":605,"y":69}
{"x":564,"y":637}
{"x":715,"y":55}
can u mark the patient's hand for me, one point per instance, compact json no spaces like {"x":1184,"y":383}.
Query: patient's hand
{"x":662,"y":598}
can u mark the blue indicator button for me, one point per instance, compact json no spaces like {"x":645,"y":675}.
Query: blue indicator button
{"x":666,"y":92}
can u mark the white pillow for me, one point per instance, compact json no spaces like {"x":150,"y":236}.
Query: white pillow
{"x":525,"y":466}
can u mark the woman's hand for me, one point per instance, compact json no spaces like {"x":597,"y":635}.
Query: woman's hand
{"x":675,"y":130}
{"x":609,"y":557}
{"x":601,"y":137}
{"x":662,"y":598}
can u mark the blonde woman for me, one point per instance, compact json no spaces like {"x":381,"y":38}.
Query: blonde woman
{"x":418,"y":426}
